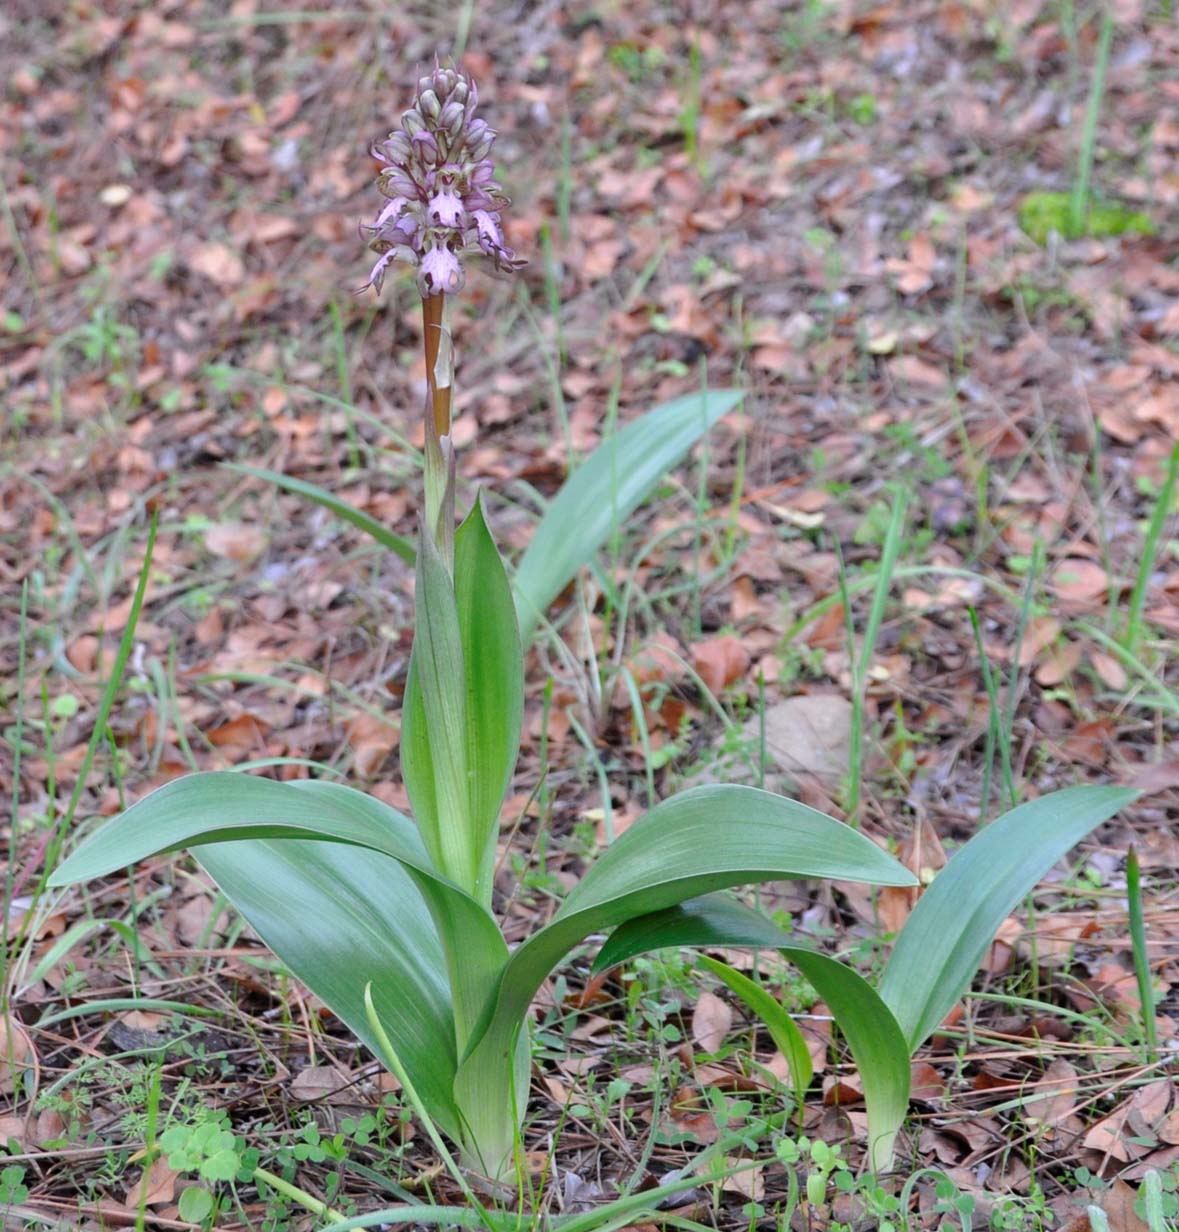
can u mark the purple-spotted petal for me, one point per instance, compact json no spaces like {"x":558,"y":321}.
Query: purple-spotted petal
{"x":376,"y":275}
{"x":440,"y":271}
{"x":490,"y":235}
{"x":446,"y":209}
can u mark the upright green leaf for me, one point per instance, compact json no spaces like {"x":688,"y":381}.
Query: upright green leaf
{"x":943,"y":941}
{"x":493,"y":665}
{"x":871,"y":1031}
{"x":435,"y":754}
{"x":605,"y":490}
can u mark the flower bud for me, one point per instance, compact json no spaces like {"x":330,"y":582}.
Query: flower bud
{"x":450,"y":119}
{"x":429,"y":105}
{"x":395,"y":148}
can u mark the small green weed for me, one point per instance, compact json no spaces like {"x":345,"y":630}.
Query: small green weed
{"x":1042,"y":213}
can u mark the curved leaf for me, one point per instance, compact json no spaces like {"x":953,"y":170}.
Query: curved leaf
{"x":605,"y":490}
{"x":718,"y":912}
{"x":944,"y":940}
{"x":871,"y":1031}
{"x":396,"y":544}
{"x":709,"y":838}
{"x":222,"y":807}
{"x":339,"y":916}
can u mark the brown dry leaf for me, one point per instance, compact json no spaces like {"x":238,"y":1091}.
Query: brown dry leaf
{"x":660,"y":659}
{"x":240,"y":737}
{"x":219,"y":263}
{"x":909,"y":370}
{"x":82,"y":653}
{"x":1118,"y":1204}
{"x":711,"y":1021}
{"x":236,"y":541}
{"x":1109,"y":670}
{"x":750,"y":1184}
{"x":13,"y":1127}
{"x":1058,"y":664}
{"x":921,"y":853}
{"x":16,"y":1051}
{"x":160,"y":1181}
{"x":720,"y":661}
{"x":915,"y":274}
{"x":1128,"y":1132}
{"x":1078,"y":580}
{"x":841,"y":1089}
{"x":808,"y":735}
{"x":1056,"y":1095}
{"x":688,"y":1112}
{"x":372,"y":740}
{"x":925,"y":1082}
{"x":319,"y":1082}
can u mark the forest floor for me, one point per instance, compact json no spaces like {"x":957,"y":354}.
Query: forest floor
{"x":816,"y":202}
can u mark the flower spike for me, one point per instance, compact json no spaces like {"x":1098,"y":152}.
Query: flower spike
{"x":443,"y":201}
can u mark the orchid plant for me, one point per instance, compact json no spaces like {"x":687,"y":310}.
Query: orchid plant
{"x":390,"y":920}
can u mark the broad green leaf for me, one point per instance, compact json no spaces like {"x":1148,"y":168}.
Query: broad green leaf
{"x":396,"y":544}
{"x":494,"y":671}
{"x":338,"y":917}
{"x":605,"y":490}
{"x":435,"y":755}
{"x":944,"y":939}
{"x":221,"y":807}
{"x":709,"y":838}
{"x":871,"y":1031}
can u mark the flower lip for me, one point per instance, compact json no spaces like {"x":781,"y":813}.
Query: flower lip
{"x":440,"y":271}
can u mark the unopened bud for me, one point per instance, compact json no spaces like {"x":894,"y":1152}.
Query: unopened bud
{"x":396,"y":147}
{"x":428,"y":104}
{"x":412,"y":121}
{"x":452,"y":119}
{"x":482,"y":147}
{"x":459,"y":91}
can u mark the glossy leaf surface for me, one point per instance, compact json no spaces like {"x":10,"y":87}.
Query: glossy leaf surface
{"x":944,"y":939}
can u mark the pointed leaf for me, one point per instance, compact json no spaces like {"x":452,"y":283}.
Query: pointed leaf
{"x":493,"y":664}
{"x":872,"y":1033}
{"x":605,"y":490}
{"x":944,"y":939}
{"x":396,"y":544}
{"x":434,"y":750}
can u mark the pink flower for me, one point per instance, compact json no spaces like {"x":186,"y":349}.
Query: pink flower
{"x":444,"y":203}
{"x":440,"y":271}
{"x":446,"y":209}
